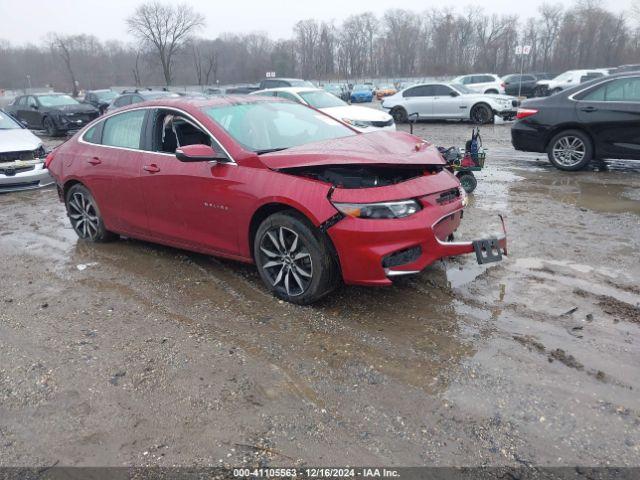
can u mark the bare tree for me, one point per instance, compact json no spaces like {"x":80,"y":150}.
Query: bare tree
{"x":165,"y":28}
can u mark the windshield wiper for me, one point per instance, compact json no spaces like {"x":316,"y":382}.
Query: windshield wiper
{"x":270,"y":150}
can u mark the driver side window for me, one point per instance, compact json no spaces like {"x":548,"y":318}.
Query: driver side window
{"x":172,"y":130}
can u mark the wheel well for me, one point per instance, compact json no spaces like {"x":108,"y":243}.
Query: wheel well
{"x":67,"y":186}
{"x":485,"y":104}
{"x":269,"y":209}
{"x":261,"y":214}
{"x":492,"y":90}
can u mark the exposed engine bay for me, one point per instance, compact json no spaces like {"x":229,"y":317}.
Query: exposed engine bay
{"x":363,"y":176}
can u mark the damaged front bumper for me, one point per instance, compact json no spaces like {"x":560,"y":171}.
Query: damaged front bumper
{"x":373,"y":252}
{"x":24,"y":175}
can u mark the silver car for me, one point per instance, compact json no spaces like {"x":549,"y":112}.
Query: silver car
{"x":448,"y":101}
{"x":22,"y":157}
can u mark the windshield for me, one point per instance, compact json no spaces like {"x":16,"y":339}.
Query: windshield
{"x":320,"y":99}
{"x":301,"y":83}
{"x":56,"y":100}
{"x":106,"y":96}
{"x":332,"y":88}
{"x":361,"y":88}
{"x":7,"y":123}
{"x":461,"y":88}
{"x":270,"y":126}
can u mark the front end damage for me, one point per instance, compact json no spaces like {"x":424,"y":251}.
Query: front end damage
{"x":23,"y":171}
{"x":374,"y":234}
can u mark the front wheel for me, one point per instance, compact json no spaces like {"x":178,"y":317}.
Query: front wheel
{"x":294,"y":259}
{"x":481,"y":114}
{"x":399,"y":115}
{"x":50,"y":127}
{"x":84,"y":215}
{"x":570,"y":150}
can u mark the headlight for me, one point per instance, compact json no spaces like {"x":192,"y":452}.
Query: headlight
{"x":357,"y":123}
{"x":399,"y":209}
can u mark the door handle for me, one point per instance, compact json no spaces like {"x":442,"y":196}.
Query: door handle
{"x":589,"y":109}
{"x":153,"y":168}
{"x":94,"y":161}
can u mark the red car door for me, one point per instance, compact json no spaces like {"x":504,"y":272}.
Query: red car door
{"x":187,"y":203}
{"x":110,"y":160}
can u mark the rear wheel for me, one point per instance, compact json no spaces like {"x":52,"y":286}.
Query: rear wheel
{"x":294,"y":260}
{"x":399,"y":115}
{"x":570,"y":150}
{"x":481,"y":113}
{"x":84,"y":215}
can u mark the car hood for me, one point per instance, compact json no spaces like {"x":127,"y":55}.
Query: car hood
{"x":357,"y":113}
{"x":18,"y":140}
{"x":80,"y":108}
{"x":375,"y":148}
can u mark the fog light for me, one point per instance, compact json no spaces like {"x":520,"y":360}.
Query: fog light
{"x":402,"y":257}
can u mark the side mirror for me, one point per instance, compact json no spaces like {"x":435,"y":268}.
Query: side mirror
{"x":453,"y":94}
{"x":198,"y":153}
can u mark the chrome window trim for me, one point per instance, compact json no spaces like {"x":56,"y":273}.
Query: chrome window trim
{"x":605,"y":79}
{"x":107,"y":116}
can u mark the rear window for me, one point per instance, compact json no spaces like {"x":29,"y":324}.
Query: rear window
{"x":124,"y":130}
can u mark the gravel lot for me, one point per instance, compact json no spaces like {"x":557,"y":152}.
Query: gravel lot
{"x":135,"y":354}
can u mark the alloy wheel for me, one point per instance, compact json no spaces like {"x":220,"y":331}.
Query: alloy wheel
{"x":286,"y":261}
{"x":569,"y":151}
{"x":83,"y":215}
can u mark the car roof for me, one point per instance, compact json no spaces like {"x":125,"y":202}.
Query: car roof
{"x":201,"y":102}
{"x":289,"y":89}
{"x":44,"y":94}
{"x":286,"y":79}
{"x":100,"y":90}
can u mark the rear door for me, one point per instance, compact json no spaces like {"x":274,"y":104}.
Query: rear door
{"x":612,"y":113}
{"x":111,"y":169}
{"x":419,"y":100}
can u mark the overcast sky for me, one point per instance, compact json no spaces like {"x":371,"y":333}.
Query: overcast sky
{"x":24,"y":21}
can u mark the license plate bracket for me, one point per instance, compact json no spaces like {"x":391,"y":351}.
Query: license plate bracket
{"x":487,"y":250}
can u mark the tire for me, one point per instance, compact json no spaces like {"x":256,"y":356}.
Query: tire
{"x":570,"y":150}
{"x":468,"y":181}
{"x":50,"y":127}
{"x":84,"y":215}
{"x":294,"y":259}
{"x":481,"y":114}
{"x":399,"y":115}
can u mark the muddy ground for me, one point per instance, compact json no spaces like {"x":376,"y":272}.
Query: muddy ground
{"x":134,"y":354}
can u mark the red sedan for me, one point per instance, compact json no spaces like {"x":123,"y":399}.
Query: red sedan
{"x":306,"y":198}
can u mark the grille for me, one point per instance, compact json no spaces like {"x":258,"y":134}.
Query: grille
{"x":11,"y":171}
{"x":402,"y":257}
{"x":448,"y":196}
{"x":11,"y":156}
{"x":8,"y":186}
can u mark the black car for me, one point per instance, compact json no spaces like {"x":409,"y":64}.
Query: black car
{"x":57,"y":113}
{"x":284,"y":82}
{"x":595,"y":120}
{"x":137,"y":96}
{"x":525,"y":84}
{"x":101,"y":99}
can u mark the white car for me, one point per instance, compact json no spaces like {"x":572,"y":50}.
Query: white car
{"x":566,"y":80}
{"x":448,"y":101}
{"x":22,"y":157}
{"x":482,"y":83}
{"x":363,"y":119}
